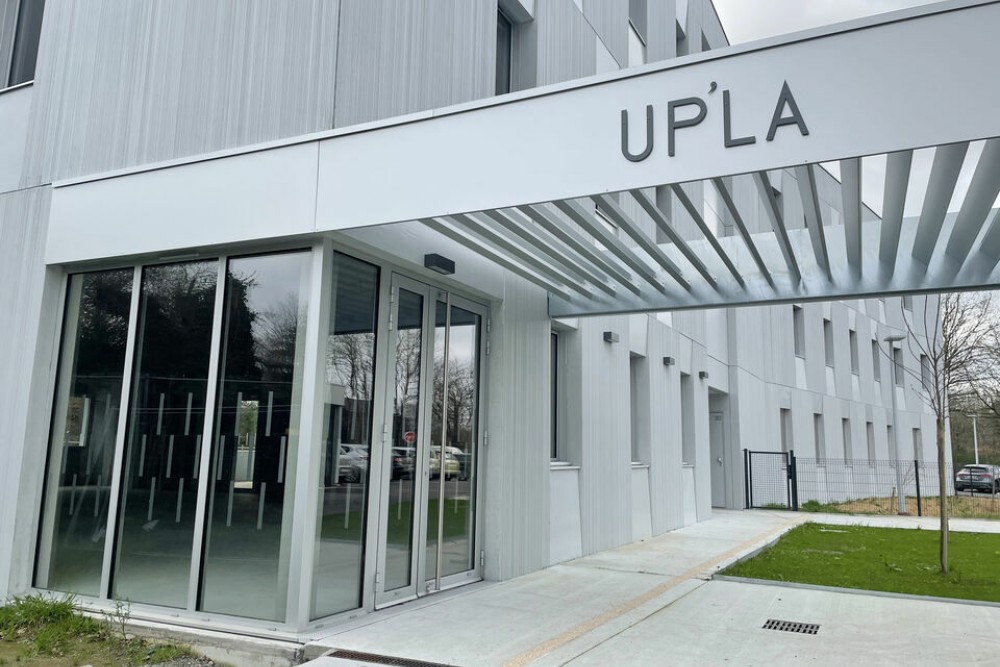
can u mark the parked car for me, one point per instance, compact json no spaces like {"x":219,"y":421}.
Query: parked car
{"x":978,"y":478}
{"x":464,"y":461}
{"x":452,"y":468}
{"x":353,"y":463}
{"x":404,"y":462}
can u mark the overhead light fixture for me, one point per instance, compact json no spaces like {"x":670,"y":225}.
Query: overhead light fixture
{"x":703,"y":375}
{"x":668,"y":361}
{"x":610,"y":337}
{"x":439,"y":264}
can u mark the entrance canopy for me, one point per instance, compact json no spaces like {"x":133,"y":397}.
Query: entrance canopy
{"x":788,"y":169}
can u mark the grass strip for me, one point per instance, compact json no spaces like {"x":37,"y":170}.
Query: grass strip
{"x":895,"y":560}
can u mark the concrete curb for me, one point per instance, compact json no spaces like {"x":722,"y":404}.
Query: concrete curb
{"x":854,"y":591}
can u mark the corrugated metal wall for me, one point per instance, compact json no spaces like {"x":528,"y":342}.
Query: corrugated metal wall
{"x":23,"y":216}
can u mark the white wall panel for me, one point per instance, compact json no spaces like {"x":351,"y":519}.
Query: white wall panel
{"x":23,"y":216}
{"x":609,"y":19}
{"x":127,"y":83}
{"x":260,"y":195}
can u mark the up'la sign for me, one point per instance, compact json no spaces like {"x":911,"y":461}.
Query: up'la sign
{"x":786,"y":112}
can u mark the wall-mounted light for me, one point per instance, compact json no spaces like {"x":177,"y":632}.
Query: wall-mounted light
{"x":439,"y":263}
{"x":668,"y":361}
{"x":610,"y":337}
{"x":703,"y":375}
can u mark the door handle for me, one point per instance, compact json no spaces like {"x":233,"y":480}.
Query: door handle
{"x":719,"y":459}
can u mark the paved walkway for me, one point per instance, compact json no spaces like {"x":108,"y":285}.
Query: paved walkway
{"x":653,"y":603}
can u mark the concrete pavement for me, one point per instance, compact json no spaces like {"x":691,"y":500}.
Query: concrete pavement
{"x":653,"y":603}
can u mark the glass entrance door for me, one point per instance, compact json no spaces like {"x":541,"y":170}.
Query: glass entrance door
{"x":427,"y":529}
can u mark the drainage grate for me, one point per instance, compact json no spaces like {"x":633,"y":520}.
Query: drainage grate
{"x":792,"y":626}
{"x":376,"y":659}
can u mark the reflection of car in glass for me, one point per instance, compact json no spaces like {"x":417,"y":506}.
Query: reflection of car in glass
{"x":464,"y":461}
{"x":451,"y":465}
{"x":404,"y":462}
{"x":353,"y":463}
{"x":977,"y":478}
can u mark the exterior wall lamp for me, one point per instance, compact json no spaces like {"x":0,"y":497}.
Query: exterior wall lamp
{"x":703,"y":375}
{"x":439,"y":264}
{"x":668,"y":361}
{"x":610,"y":337}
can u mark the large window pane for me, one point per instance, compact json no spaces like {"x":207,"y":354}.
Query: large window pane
{"x":159,"y":483}
{"x":399,"y":513}
{"x":453,"y":475}
{"x":26,"y":35}
{"x":85,"y":426}
{"x":257,"y":424}
{"x":346,"y":443}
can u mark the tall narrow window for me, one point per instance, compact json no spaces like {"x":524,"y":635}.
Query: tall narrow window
{"x":84,"y":430}
{"x":799,"y":331}
{"x":251,"y":488}
{"x":908,"y":302}
{"x":870,"y":435}
{"x":819,"y":437}
{"x":926,"y":374}
{"x":876,"y":361}
{"x":918,"y":448}
{"x":854,"y":352}
{"x":890,"y":441}
{"x":848,"y":445}
{"x":26,"y":35}
{"x":638,"y":406}
{"x":687,"y":419}
{"x":347,"y":435}
{"x":897,"y":363}
{"x":786,"y":430}
{"x":505,"y":49}
{"x":159,"y":486}
{"x":828,"y":341}
{"x":554,"y":396}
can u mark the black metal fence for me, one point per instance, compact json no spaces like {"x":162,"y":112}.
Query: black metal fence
{"x":783,"y":480}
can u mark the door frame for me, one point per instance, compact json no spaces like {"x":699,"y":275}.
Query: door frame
{"x":422,"y":582}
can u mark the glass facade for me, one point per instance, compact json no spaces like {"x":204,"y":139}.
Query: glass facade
{"x":142,"y":503}
{"x":346,"y":444}
{"x":159,"y":487}
{"x":84,"y":431}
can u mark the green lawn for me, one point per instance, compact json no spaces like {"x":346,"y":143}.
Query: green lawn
{"x":49,"y":633}
{"x":896,"y":560}
{"x":456,"y":518}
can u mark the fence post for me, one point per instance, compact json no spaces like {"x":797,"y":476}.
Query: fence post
{"x":793,"y":479}
{"x":746,"y":477}
{"x":916,"y":474}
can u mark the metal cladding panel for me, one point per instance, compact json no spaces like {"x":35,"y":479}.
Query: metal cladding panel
{"x":15,"y":106}
{"x":566,"y":45}
{"x":661,"y":31}
{"x":609,"y":19}
{"x":605,"y":447}
{"x":122,"y":84}
{"x":261,"y":195}
{"x":400,"y":57}
{"x":8,"y":22}
{"x":665,"y":457}
{"x":517,"y":456}
{"x":23,"y":216}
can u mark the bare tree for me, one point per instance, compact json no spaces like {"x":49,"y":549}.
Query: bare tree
{"x":948,"y":336}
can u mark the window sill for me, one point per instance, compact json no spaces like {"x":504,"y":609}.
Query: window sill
{"x":562,"y":465}
{"x":10,"y":89}
{"x":636,"y":465}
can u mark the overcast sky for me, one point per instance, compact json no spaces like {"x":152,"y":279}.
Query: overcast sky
{"x":746,"y":20}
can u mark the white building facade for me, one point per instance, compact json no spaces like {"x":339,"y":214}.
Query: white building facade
{"x":263,"y":425}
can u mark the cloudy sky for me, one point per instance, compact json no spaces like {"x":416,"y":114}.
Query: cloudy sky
{"x":747,"y":20}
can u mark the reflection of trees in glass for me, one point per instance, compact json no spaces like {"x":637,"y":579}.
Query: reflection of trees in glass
{"x":179,"y":300}
{"x":407,"y":370}
{"x":461,"y":400}
{"x":351,"y":364}
{"x":102,"y":329}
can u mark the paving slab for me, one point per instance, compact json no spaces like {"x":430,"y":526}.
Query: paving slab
{"x":653,"y":603}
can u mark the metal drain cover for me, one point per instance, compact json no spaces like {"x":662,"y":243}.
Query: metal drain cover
{"x":376,"y":659}
{"x":792,"y":626}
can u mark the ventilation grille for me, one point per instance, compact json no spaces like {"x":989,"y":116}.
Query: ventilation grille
{"x":375,"y":659}
{"x":792,"y":626}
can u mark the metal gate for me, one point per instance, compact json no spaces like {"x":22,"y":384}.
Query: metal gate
{"x":770,"y":480}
